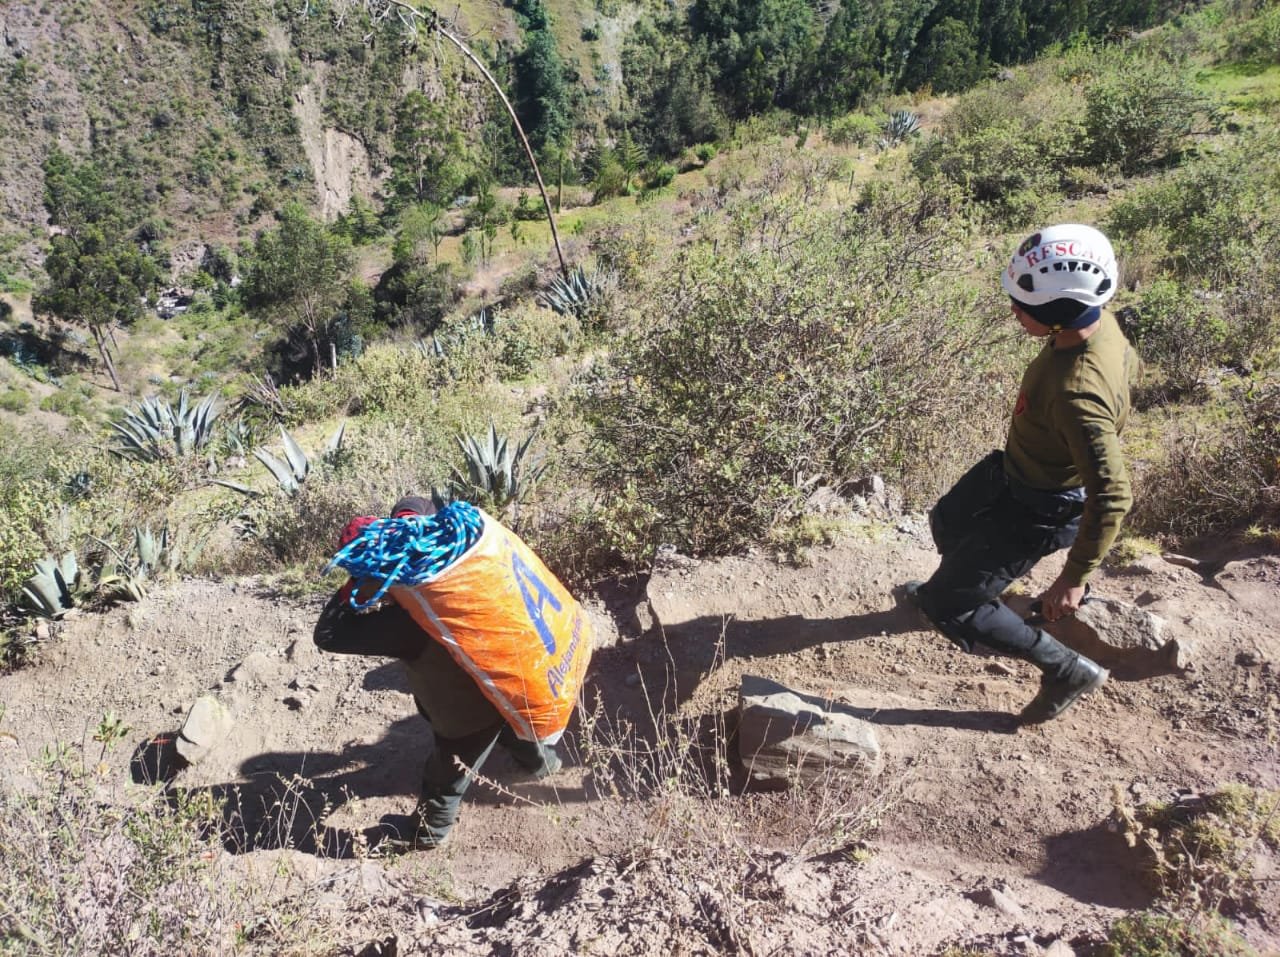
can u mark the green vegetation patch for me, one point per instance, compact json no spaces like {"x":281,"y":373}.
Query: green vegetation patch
{"x":1203,"y":849}
{"x":1152,"y":934}
{"x":1249,"y":89}
{"x":769,"y":366}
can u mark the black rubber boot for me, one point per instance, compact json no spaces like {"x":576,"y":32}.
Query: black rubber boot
{"x":402,"y":833}
{"x":1068,"y":676}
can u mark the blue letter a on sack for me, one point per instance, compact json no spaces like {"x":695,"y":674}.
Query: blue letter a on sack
{"x":536,"y":595}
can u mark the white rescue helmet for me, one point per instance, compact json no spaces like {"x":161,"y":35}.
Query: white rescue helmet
{"x":1069,"y":261}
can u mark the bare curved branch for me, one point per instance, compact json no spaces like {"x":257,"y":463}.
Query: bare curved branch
{"x":411,"y":17}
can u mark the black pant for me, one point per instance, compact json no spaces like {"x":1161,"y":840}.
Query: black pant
{"x":444,"y":782}
{"x":392,"y":633}
{"x":989,"y":532}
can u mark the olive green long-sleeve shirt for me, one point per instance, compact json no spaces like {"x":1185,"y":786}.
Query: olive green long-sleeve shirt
{"x":1065,"y":433}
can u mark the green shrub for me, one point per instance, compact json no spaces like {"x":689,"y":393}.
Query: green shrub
{"x":1256,"y":40}
{"x":1151,"y":934}
{"x":303,"y":529}
{"x":74,"y":400}
{"x":1218,"y":477}
{"x":32,"y":473}
{"x":626,"y":250}
{"x":527,"y":337}
{"x":1182,"y":331}
{"x":25,"y":510}
{"x":14,"y":400}
{"x":998,"y":166}
{"x":1214,"y":225}
{"x":610,"y":179}
{"x":855,"y":129}
{"x":705,"y":152}
{"x":766,"y":369}
{"x":1080,"y":181}
{"x":1138,"y":112}
{"x":1008,"y":146}
{"x":658,"y":175}
{"x":388,"y":380}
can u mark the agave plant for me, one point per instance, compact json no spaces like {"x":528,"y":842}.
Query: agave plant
{"x":117,"y":583}
{"x":433,"y":348}
{"x":156,"y":430}
{"x":124,"y":576}
{"x":498,"y":473}
{"x":290,"y":472}
{"x":237,"y":436}
{"x":482,"y":322}
{"x":578,"y":294}
{"x":51,"y":590}
{"x":156,"y":552}
{"x":901,"y":126}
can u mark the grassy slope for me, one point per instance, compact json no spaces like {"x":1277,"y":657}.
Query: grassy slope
{"x":167,"y":353}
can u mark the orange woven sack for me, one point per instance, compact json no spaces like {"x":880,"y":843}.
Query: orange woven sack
{"x":510,"y":624}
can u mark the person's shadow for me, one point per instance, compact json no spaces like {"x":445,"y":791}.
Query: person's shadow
{"x":634,"y":694}
{"x":285,"y":799}
{"x":680,"y":657}
{"x":1000,"y":722}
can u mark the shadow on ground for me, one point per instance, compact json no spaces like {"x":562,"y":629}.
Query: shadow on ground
{"x":681,"y":657}
{"x":1096,"y":866}
{"x":286,"y":798}
{"x":997,"y":722}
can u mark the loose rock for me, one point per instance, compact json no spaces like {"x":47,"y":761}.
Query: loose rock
{"x":207,"y":724}
{"x":785,"y":737}
{"x":1126,"y":639}
{"x":997,"y":899}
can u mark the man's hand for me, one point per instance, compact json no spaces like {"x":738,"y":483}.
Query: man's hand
{"x":1060,"y":600}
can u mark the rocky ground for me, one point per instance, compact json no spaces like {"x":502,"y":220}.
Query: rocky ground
{"x":961,"y":830}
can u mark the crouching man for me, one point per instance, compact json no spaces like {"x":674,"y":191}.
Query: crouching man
{"x":465,"y":726}
{"x":1060,"y":481}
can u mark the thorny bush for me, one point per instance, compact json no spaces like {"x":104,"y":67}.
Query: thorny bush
{"x":1226,"y":478}
{"x":1204,"y":851}
{"x":82,"y":877}
{"x":806,"y":350}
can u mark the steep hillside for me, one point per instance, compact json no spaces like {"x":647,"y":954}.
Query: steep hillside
{"x":220,"y":112}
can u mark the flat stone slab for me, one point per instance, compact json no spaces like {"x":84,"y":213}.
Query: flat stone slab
{"x":787,"y":737}
{"x":1126,"y":639}
{"x":1253,"y":584}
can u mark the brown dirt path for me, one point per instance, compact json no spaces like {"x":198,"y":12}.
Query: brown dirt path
{"x":975,"y":804}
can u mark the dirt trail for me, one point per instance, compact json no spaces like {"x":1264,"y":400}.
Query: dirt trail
{"x":970,"y":803}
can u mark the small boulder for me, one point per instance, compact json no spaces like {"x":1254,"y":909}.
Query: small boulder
{"x":302,"y":652}
{"x":642,"y":619}
{"x":826,"y":501}
{"x":786,"y":738}
{"x":257,"y":668}
{"x":604,"y":628}
{"x":998,"y":900}
{"x":207,"y":724}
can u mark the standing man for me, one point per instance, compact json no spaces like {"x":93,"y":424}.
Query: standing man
{"x":1060,"y":480}
{"x":465,"y":726}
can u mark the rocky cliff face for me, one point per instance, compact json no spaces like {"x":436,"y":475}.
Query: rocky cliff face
{"x":217,"y":113}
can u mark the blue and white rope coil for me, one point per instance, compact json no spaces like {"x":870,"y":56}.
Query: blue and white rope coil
{"x":409,"y":550}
